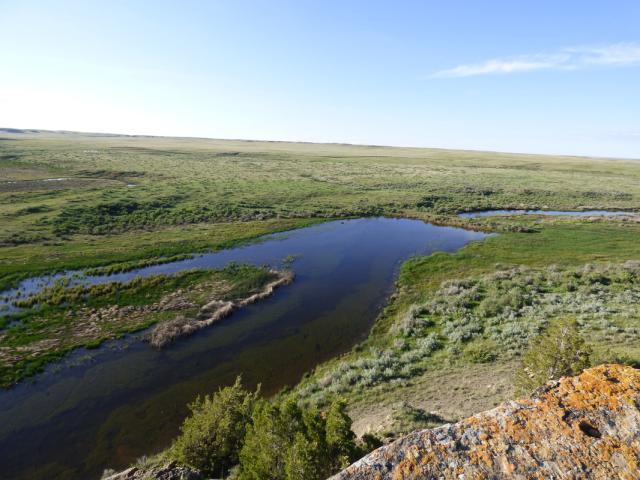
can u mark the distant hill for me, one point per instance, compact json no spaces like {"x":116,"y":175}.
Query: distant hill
{"x":63,"y":132}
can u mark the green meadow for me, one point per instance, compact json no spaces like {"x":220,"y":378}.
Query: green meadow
{"x":80,"y":200}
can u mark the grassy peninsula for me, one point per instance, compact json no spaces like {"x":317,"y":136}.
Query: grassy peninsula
{"x":62,"y":317}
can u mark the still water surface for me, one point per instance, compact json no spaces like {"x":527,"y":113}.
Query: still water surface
{"x":106,"y":407}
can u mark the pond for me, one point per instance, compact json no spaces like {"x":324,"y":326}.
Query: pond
{"x":106,"y":407}
{"x":584,"y":213}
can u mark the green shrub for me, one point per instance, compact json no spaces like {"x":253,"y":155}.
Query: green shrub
{"x":301,"y":461}
{"x":267,"y":441}
{"x":560,"y":351}
{"x":285,"y":442}
{"x":212,"y":436}
{"x":340,"y":438}
{"x":483,"y":351}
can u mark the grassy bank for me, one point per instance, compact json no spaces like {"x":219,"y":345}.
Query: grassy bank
{"x":62,"y":318}
{"x":126,"y":250}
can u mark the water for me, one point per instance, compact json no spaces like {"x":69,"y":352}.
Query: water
{"x":586,"y":213}
{"x":106,"y":407}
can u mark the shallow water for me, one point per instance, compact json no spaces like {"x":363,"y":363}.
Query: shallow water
{"x":585,"y":213}
{"x":106,"y":407}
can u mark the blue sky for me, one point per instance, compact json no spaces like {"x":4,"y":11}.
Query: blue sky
{"x":538,"y":76}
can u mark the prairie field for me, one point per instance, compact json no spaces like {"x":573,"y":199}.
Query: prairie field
{"x":76,"y":200}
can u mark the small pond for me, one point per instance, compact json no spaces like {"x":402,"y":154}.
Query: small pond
{"x":106,"y":407}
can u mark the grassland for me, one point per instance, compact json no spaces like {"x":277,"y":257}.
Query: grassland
{"x":73,"y":201}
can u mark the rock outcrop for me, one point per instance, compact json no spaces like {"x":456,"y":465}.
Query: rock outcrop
{"x":583,"y":427}
{"x":167,"y":471}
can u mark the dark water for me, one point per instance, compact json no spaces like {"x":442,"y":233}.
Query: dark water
{"x":107,"y":407}
{"x":586,"y":213}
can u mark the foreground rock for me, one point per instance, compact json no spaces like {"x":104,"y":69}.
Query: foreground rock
{"x":584,"y":427}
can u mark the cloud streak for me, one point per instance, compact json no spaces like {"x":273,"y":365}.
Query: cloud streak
{"x":572,"y":58}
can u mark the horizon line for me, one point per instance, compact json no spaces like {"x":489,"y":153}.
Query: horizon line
{"x":134,"y":135}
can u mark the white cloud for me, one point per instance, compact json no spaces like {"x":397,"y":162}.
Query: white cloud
{"x":620,"y":54}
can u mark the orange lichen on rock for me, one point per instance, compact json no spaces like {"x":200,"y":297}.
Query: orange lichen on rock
{"x":583,"y":427}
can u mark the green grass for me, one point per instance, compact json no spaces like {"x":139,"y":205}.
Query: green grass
{"x":124,"y":250}
{"x":559,"y":241}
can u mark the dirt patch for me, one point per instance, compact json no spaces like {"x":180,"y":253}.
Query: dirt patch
{"x":449,"y":393}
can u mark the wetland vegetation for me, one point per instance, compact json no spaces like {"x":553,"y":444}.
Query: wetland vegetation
{"x":448,"y":340}
{"x":60,"y":318}
{"x":328,"y":309}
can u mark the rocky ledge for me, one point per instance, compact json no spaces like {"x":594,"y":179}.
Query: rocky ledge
{"x":167,"y":471}
{"x":583,"y":427}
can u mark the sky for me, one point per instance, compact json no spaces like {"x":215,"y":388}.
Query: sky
{"x":539,"y":76}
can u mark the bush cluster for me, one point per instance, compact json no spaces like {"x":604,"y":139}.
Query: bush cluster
{"x":122,"y":215}
{"x":279,"y":440}
{"x":560,"y":351}
{"x":393,"y":364}
{"x":511,"y":307}
{"x":212,"y":436}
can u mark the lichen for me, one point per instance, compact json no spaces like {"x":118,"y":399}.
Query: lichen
{"x":580,"y":427}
